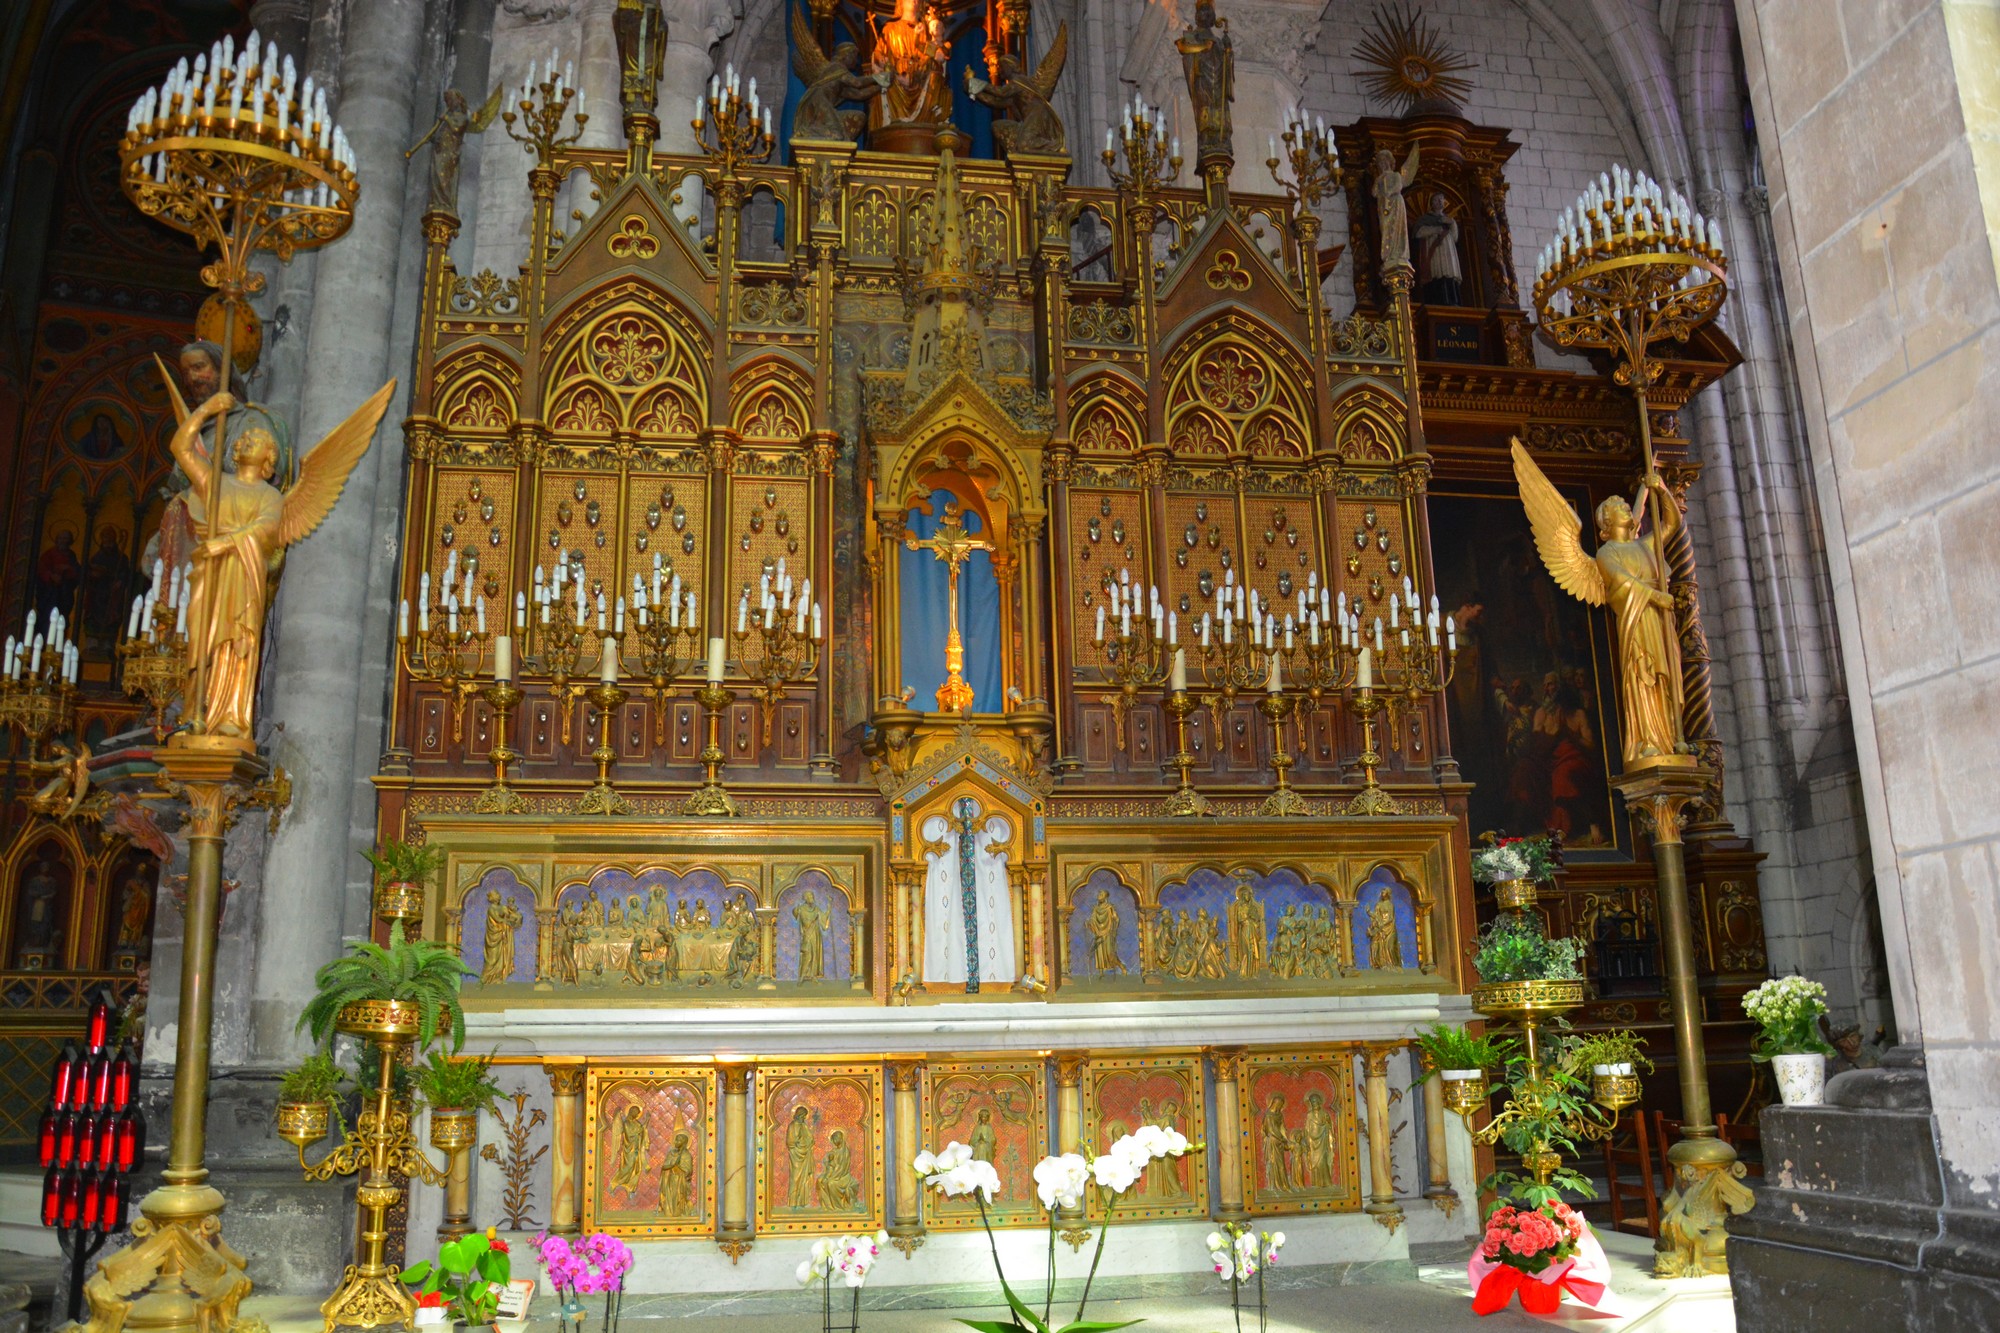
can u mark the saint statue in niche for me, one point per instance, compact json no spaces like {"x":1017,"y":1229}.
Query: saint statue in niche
{"x":1102,"y":925}
{"x":1384,"y":949}
{"x":910,"y":50}
{"x":968,"y":907}
{"x":1436,"y":234}
{"x":1246,"y":932}
{"x":1390,"y":211}
{"x":502,"y":920}
{"x":812,"y":919}
{"x":677,"y":1179}
{"x":983,"y":1136}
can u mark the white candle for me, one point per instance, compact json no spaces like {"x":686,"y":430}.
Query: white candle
{"x":131,"y":625}
{"x":1312,"y":629}
{"x":1227,"y":623}
{"x":715,"y":661}
{"x":35,"y":655}
{"x":1178,"y":682}
{"x":181,"y":619}
{"x":1124,"y":622}
{"x":1378,"y":634}
{"x":1275,"y":683}
{"x":673,"y":613}
{"x":1394,"y":612}
{"x":770,"y":613}
{"x":1204,"y":630}
{"x":693,"y":616}
{"x":1451,"y":634}
{"x":743,"y":614}
{"x":451,"y":613}
{"x":480,"y":608}
{"x":607,"y":661}
{"x":1365,"y":672}
{"x":503,"y":658}
{"x":1100,"y":624}
{"x":816,"y":626}
{"x":1173,"y":628}
{"x":618,"y":621}
{"x":403,"y":621}
{"x":1288,"y":634}
{"x":600,"y":613}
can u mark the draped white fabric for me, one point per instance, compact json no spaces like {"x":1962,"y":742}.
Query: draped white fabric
{"x":944,"y":907}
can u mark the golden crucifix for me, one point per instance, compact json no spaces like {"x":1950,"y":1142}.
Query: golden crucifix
{"x":952,"y":544}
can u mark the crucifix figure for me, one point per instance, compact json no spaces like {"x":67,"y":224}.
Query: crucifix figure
{"x":952,"y":544}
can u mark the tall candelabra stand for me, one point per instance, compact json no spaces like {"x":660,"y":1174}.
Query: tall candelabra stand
{"x":555,"y":639}
{"x":731,"y":125}
{"x":712,"y":799}
{"x":1398,"y":667}
{"x":1308,"y":155}
{"x":786,"y":639}
{"x":503,"y":696}
{"x":663,"y":641}
{"x":240,"y":154}
{"x":381,"y":1147}
{"x":539,"y":106}
{"x":1152,"y":157}
{"x":155,"y":647}
{"x":1139,"y":653}
{"x":449,"y":647}
{"x":1185,"y":802}
{"x":1277,"y":706}
{"x":1631,"y":265}
{"x":603,"y":798}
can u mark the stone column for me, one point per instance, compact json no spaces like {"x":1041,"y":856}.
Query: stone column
{"x":1437,"y":1149}
{"x":906,"y":1226}
{"x":1228,"y":1134}
{"x":565,"y":1146}
{"x":324,"y":645}
{"x":1381,"y":1205}
{"x":738,"y":1182}
{"x":1070,"y":1067}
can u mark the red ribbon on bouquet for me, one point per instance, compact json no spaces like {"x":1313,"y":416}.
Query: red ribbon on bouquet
{"x":1585,"y":1275}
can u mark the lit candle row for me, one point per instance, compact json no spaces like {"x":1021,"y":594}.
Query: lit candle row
{"x":1621,"y":209}
{"x":1126,"y":603}
{"x":559,"y":81}
{"x":775,"y":597}
{"x":178,"y":591}
{"x":23,"y":656}
{"x":1138,"y":126}
{"x":726,"y":93}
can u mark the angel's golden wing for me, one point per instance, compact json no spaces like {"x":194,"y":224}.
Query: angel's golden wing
{"x":1051,"y":68}
{"x":487,"y":110}
{"x":323,"y":472}
{"x":808,"y":61}
{"x":1558,"y":532}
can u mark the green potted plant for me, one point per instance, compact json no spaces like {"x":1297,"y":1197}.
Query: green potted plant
{"x":456,"y":1091}
{"x":306,"y":1099}
{"x":401,"y":870}
{"x":1523,"y":971}
{"x":1462,"y":1061}
{"x":407,"y":991}
{"x":1613,"y":1060}
{"x":1513,"y":867}
{"x":465,"y":1281}
{"x":1787,"y":1012}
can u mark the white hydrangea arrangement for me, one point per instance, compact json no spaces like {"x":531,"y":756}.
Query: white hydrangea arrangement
{"x":1061,"y":1183}
{"x":1788,"y":1010}
{"x":848,"y":1258}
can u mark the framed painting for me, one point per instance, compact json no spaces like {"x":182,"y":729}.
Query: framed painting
{"x":1533,"y":705}
{"x":819,"y":1158}
{"x":648,"y":1151}
{"x":1000,"y":1109}
{"x":1297,"y":1130}
{"x":1121,"y":1093}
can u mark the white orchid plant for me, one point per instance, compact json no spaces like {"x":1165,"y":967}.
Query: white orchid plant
{"x":1061,"y":1183}
{"x":848,"y":1258}
{"x":1238,"y":1254}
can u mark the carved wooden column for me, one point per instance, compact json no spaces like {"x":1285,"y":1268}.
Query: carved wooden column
{"x":565,"y":1146}
{"x":1228,"y":1135}
{"x":857,"y":948}
{"x":767,"y":948}
{"x":906,"y":1218}
{"x":1381,"y":1205}
{"x":734,"y":1232}
{"x":1069,"y":1128}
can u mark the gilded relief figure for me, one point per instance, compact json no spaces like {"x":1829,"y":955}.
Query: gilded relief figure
{"x":1315,"y":1145}
{"x":1102,"y":926}
{"x":1277,"y":1145}
{"x":838,"y":1189}
{"x":634,"y":1143}
{"x":677,"y":1179}
{"x":233,"y":567}
{"x":813,"y":920}
{"x":983,"y":1136}
{"x":1385,"y":950}
{"x":1208,"y":60}
{"x":1208,"y":944}
{"x":1287,"y":943}
{"x":1628,"y":574}
{"x":502,"y":920}
{"x":799,"y":1148}
{"x":1246,"y":933}
{"x":1163,"y":1174}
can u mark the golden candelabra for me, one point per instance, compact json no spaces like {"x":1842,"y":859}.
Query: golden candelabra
{"x":1309,"y":154}
{"x":502,"y":696}
{"x":711,"y":799}
{"x":603,"y":798}
{"x":664,"y":640}
{"x":787,"y":641}
{"x":449,"y":647}
{"x":539,"y":108}
{"x":556,"y":637}
{"x":380,"y":1144}
{"x":38,"y":683}
{"x":732,"y":126}
{"x":1186,"y":802}
{"x":155,"y":647}
{"x":1138,"y":650}
{"x":1277,"y":706}
{"x":1152,"y":158}
{"x":1631,"y":265}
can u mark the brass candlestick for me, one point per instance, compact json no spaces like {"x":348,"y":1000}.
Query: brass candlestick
{"x":1372,"y":799}
{"x":603,"y":798}
{"x":1186,"y":801}
{"x":447,"y":650}
{"x":783,"y":654}
{"x":1283,"y":801}
{"x":710,"y":799}
{"x":502,"y":696}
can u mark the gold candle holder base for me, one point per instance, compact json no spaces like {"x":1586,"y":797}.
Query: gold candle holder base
{"x":710,"y":800}
{"x":1283,"y":802}
{"x":603,"y":798}
{"x":501,"y":696}
{"x":1186,"y":802}
{"x":1372,"y":799}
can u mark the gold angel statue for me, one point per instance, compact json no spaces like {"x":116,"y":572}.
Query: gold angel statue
{"x":829,"y":81}
{"x":236,"y":561}
{"x":1035,"y":127}
{"x":1629,"y":574}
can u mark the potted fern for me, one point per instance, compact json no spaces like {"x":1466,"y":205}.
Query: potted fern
{"x":456,"y":1091}
{"x":1614,"y":1060}
{"x":401,"y":870}
{"x":1462,"y":1061}
{"x":306,"y":1099}
{"x":406,"y":992}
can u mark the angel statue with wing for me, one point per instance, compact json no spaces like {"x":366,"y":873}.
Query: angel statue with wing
{"x":446,"y":137}
{"x":243,"y":543}
{"x":1629,"y":574}
{"x":829,"y":81}
{"x":1035,"y":128}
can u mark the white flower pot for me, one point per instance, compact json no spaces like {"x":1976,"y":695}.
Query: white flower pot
{"x":1462,"y":1075}
{"x":1801,"y":1078}
{"x":1623,"y":1069}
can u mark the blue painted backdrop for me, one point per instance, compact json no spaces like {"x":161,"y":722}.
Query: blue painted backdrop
{"x":472,"y":925}
{"x":1081,"y":964}
{"x":1383,"y":880}
{"x":926,"y":615}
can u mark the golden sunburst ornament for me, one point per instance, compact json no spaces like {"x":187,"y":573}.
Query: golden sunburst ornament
{"x":1410,"y":63}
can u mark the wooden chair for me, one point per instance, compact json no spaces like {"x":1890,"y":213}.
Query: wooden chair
{"x":1748,"y":1141}
{"x":1633,"y":1151}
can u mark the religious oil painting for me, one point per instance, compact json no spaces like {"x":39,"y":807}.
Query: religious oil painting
{"x":1121,"y":1093}
{"x":819,"y":1160}
{"x":1298,"y":1136}
{"x":1533,"y":706}
{"x":1101,"y":945}
{"x":998,"y":1108}
{"x":647,"y":1154}
{"x":656,"y":928}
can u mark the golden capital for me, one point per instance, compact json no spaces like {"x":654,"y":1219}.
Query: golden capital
{"x":1375,"y":1060}
{"x":1660,"y":792}
{"x":735,"y":1079}
{"x":1228,"y":1062}
{"x":904,"y":1074}
{"x":565,"y":1080}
